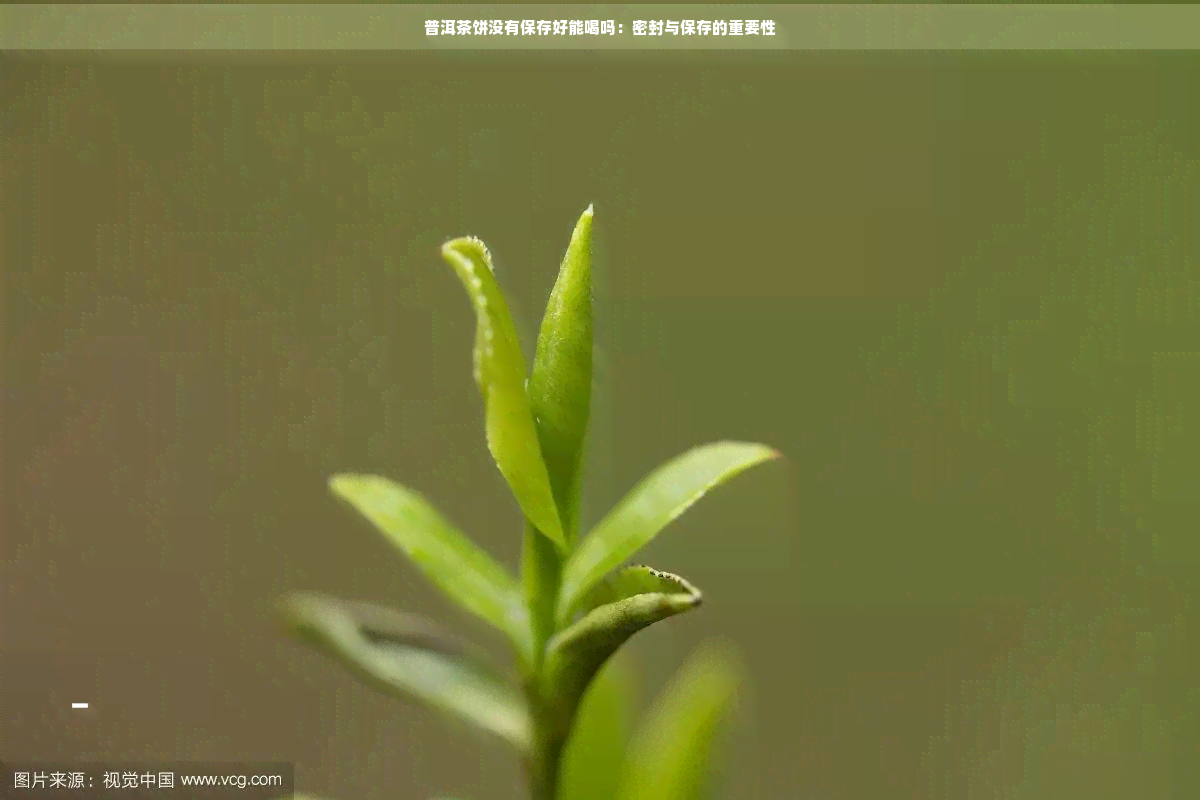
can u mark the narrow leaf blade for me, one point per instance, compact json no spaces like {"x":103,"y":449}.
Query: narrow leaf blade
{"x":630,"y":600}
{"x":661,"y":497}
{"x":671,"y":754}
{"x":560,"y":385}
{"x":408,"y":657}
{"x":500,"y":372}
{"x":595,"y":748}
{"x":467,"y":574}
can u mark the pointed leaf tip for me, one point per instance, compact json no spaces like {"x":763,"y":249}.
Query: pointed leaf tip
{"x":560,"y":385}
{"x":648,"y":508}
{"x":499,"y":368}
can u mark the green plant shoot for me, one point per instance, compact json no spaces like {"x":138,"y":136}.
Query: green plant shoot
{"x":576,"y":600}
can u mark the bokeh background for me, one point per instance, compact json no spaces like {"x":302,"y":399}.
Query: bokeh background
{"x":961,"y":293}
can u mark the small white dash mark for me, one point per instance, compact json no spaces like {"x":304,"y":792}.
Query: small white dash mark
{"x":79,"y":705}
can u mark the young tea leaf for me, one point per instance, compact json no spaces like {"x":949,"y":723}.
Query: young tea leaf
{"x":629,"y":600}
{"x":560,"y":385}
{"x":467,"y":574}
{"x":408,"y":657}
{"x":661,"y":497}
{"x":671,"y":754}
{"x":595,"y":748}
{"x":500,"y":372}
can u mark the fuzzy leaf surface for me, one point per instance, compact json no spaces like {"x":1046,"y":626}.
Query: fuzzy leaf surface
{"x":409,"y":657}
{"x":629,"y":600}
{"x":459,"y":567}
{"x":560,"y":385}
{"x":512,"y":435}
{"x":647,"y":509}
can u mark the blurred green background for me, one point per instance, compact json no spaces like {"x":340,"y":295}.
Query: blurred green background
{"x":959,"y":292}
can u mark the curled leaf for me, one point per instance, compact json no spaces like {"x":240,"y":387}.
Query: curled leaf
{"x":560,"y":385}
{"x":467,"y":574}
{"x":626,"y":602}
{"x":672,"y":752}
{"x":647,"y":509}
{"x":409,"y":657}
{"x":500,"y":372}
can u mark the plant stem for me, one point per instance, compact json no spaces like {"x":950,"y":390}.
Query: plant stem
{"x":541,"y":573}
{"x":542,"y":767}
